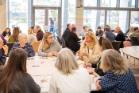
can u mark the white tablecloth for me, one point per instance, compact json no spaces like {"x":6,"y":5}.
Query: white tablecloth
{"x":41,"y":69}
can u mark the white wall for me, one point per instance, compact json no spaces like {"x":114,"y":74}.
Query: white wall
{"x":2,"y":15}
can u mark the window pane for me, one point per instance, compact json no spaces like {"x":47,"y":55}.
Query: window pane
{"x":108,"y":3}
{"x":53,"y":21}
{"x":102,"y":18}
{"x":90,"y":17}
{"x":90,"y":3}
{"x":127,"y":3}
{"x":138,"y":3}
{"x":18,"y":14}
{"x":40,"y":17}
{"x":47,"y":2}
{"x":94,"y":18}
{"x":71,"y":11}
{"x":134,"y":18}
{"x":117,"y":18}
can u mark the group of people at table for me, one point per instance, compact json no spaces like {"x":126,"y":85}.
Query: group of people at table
{"x":100,"y":60}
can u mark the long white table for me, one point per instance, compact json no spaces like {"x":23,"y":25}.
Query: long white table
{"x":41,"y":69}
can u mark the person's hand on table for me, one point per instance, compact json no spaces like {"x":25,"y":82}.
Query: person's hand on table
{"x":90,"y":70}
{"x":87,"y":65}
{"x":85,"y":59}
{"x":55,"y":53}
{"x":81,"y":55}
{"x":50,"y":54}
{"x":98,"y":86}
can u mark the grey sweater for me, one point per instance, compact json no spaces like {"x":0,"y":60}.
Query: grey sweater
{"x":55,"y":46}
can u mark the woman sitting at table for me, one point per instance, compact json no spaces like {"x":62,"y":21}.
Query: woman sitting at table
{"x":23,"y":44}
{"x":3,"y":52}
{"x":87,"y":50}
{"x":48,"y":46}
{"x":68,"y":77}
{"x":14,"y":77}
{"x":103,"y":44}
{"x":118,"y":77}
{"x":14,"y":37}
{"x":6,"y":32}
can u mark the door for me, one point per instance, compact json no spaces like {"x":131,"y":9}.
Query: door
{"x":49,"y":19}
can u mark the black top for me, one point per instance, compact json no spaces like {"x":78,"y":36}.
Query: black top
{"x":39,"y":35}
{"x":23,"y":83}
{"x":71,"y":41}
{"x":6,"y":33}
{"x":99,"y":33}
{"x":98,"y":70}
{"x":120,"y":37}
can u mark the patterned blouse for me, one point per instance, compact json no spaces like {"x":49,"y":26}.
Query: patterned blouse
{"x":28,"y":48}
{"x":112,"y":83}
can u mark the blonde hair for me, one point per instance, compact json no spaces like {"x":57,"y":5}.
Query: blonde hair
{"x":1,"y":41}
{"x":66,"y":61}
{"x":112,"y":61}
{"x":45,"y":42}
{"x":92,"y":36}
{"x":30,"y":31}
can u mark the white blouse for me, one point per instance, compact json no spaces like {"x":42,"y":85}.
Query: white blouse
{"x":77,"y":82}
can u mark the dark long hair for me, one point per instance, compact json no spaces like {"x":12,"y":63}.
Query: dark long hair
{"x":16,"y":66}
{"x":16,"y":32}
{"x":5,"y":32}
{"x":105,"y":43}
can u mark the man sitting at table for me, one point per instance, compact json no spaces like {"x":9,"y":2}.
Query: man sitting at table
{"x":22,"y":43}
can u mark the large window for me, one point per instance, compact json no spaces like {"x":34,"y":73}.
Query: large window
{"x":92,"y":3}
{"x":40,"y":17}
{"x":117,"y":18}
{"x":90,"y":17}
{"x":111,"y":12}
{"x":94,"y":18}
{"x":134,"y":18}
{"x":72,"y":11}
{"x":18,"y":14}
{"x":127,"y":3}
{"x":101,"y":16}
{"x":138,"y":3}
{"x":108,"y":3}
{"x":47,"y":2}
